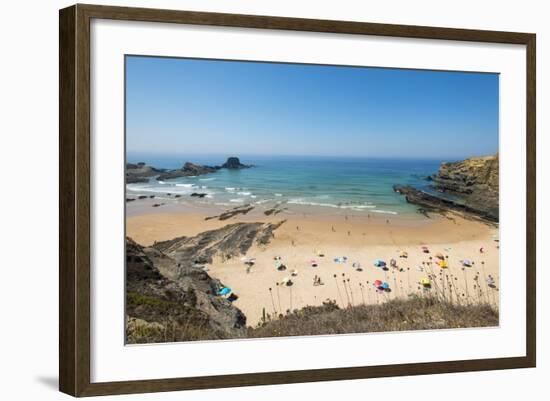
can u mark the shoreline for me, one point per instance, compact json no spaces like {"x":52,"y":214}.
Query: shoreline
{"x":362,"y":240}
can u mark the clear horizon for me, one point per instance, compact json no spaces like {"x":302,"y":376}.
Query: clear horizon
{"x":212,"y":107}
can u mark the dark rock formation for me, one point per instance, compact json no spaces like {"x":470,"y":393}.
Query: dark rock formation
{"x":226,"y":242}
{"x":275,"y":210}
{"x":234,"y":163}
{"x":432,"y":203}
{"x":232,"y":212}
{"x":188,"y":170}
{"x":476,"y":180}
{"x":198,"y":194}
{"x":168,"y":301}
{"x":136,"y":173}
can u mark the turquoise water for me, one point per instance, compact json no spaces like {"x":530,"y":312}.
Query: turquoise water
{"x":330,"y":183}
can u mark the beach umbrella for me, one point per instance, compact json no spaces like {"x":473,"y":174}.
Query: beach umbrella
{"x":403,"y":254}
{"x":224,"y":291}
{"x":425,"y":282}
{"x":313,"y":263}
{"x":378,"y":283}
{"x":385,"y":285}
{"x":442,"y":264}
{"x":379,"y":263}
{"x":425,"y":249}
{"x":439,"y":255}
{"x":467,"y":262}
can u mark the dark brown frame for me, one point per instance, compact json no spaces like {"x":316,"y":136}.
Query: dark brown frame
{"x":74,"y":199}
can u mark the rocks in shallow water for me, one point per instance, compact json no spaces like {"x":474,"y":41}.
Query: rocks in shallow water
{"x":198,"y":194}
{"x":142,"y":197}
{"x":140,"y":172}
{"x":234,"y":163}
{"x":130,"y":199}
{"x":432,"y":203}
{"x":188,"y":170}
{"x":469,"y":186}
{"x":136,"y":180}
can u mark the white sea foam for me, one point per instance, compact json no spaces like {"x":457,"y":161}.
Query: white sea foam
{"x":243,"y":193}
{"x":185,"y":185}
{"x":278,"y":194}
{"x":383,"y":211}
{"x":300,"y":201}
{"x":260,"y":202}
{"x":229,"y":189}
{"x":238,"y":200}
{"x":207,"y":179}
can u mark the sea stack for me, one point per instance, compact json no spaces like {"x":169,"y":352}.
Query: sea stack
{"x":233,"y":163}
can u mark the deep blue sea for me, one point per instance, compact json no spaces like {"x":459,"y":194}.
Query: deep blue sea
{"x":331,"y":183}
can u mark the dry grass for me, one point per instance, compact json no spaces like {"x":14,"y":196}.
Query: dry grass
{"x":415,"y":313}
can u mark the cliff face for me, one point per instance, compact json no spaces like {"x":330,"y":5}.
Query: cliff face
{"x":476,"y":180}
{"x":166,"y":302}
{"x":170,"y":296}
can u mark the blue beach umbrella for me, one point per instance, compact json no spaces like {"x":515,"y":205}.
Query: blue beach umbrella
{"x":224,"y":291}
{"x":379,"y":263}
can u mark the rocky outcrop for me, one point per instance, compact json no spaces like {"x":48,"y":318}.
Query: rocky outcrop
{"x":244,"y":209}
{"x":234,"y":163}
{"x":188,"y":170}
{"x":226,"y":242}
{"x":170,"y":296}
{"x":140,"y":172}
{"x":470,"y":186}
{"x":431,"y":203}
{"x":170,"y":301}
{"x":476,"y":180}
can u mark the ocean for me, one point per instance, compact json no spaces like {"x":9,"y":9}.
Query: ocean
{"x":326,"y":184}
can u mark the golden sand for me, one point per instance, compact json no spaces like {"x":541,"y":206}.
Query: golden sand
{"x":362,"y":240}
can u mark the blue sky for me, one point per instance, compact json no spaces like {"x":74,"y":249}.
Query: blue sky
{"x":192,"y":106}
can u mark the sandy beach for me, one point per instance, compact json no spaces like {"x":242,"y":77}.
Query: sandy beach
{"x":361,"y":239}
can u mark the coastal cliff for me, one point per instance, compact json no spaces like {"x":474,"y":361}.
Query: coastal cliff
{"x":476,"y":180}
{"x":171,"y":297}
{"x":470,"y":186}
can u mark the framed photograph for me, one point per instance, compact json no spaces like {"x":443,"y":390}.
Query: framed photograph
{"x":250,"y":200}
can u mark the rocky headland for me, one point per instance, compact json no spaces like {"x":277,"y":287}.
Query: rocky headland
{"x":141,"y":172}
{"x":470,"y":186}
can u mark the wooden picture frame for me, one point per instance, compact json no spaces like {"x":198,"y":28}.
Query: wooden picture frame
{"x":74,"y":199}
